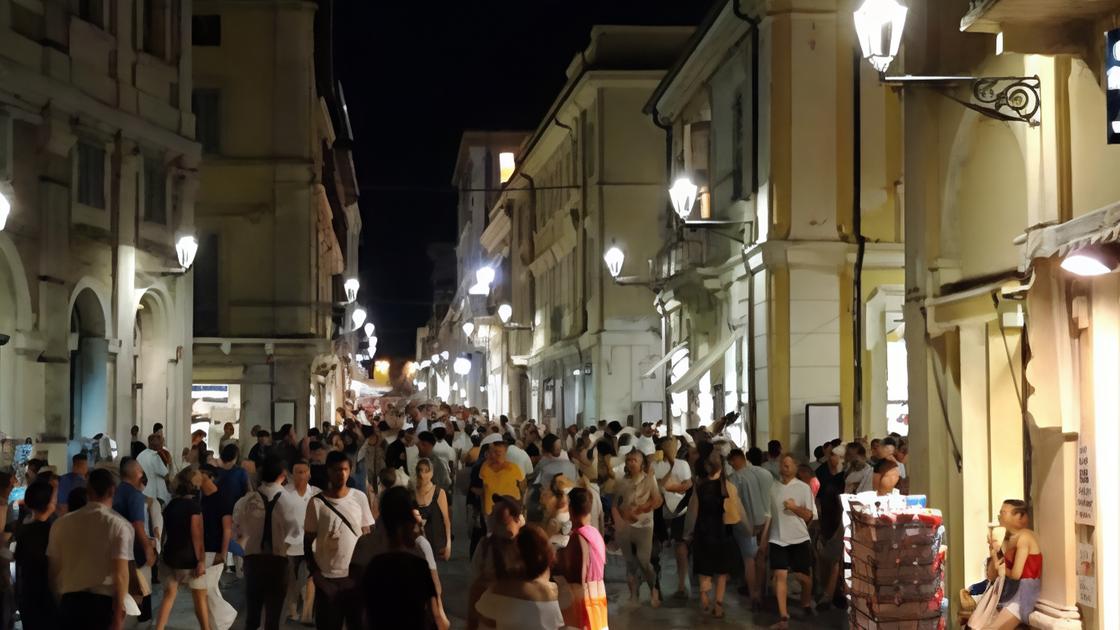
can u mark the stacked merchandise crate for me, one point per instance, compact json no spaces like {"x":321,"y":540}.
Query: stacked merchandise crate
{"x":897,"y":574}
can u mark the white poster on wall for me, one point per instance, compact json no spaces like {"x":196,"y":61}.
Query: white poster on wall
{"x":1086,"y":576}
{"x":1086,"y":489}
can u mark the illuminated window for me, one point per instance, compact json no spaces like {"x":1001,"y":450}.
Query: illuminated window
{"x":506,"y":166}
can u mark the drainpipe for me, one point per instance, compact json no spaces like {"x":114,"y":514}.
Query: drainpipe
{"x":756,"y":35}
{"x":861,"y":247}
{"x":668,"y":366}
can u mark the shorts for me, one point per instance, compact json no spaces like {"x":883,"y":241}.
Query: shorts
{"x":797,"y":558}
{"x":1019,"y":597}
{"x":676,"y":529}
{"x":832,"y":549}
{"x":182,"y":576}
{"x":747,"y":541}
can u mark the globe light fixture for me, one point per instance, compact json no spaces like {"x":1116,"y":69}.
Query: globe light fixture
{"x":1092,"y":260}
{"x":446,"y":355}
{"x":505,"y":312}
{"x":468,"y":328}
{"x":484,"y":277}
{"x":369,"y":328}
{"x":683,"y":196}
{"x":358,"y":317}
{"x":614,"y":259}
{"x":185,"y":248}
{"x":351,"y":286}
{"x":462,"y":365}
{"x":577,"y":372}
{"x":5,"y":210}
{"x":425,"y":364}
{"x":879,"y":26}
{"x":373,"y":341}
{"x":482,"y":388}
{"x":435,"y":359}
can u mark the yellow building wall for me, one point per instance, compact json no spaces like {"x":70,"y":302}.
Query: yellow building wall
{"x":1092,"y":160}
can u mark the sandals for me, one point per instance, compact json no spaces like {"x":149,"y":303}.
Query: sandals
{"x":717,"y":610}
{"x":783,"y":624}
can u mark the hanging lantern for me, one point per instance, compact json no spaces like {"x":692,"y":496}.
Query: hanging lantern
{"x":185,"y":248}
{"x":614,"y":259}
{"x":879,"y":26}
{"x":683,"y":196}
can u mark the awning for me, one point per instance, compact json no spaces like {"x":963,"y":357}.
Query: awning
{"x":665,"y":359}
{"x":704,"y":365}
{"x":1098,"y":226}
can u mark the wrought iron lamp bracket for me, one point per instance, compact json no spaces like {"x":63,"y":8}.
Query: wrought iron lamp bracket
{"x":1011,"y":99}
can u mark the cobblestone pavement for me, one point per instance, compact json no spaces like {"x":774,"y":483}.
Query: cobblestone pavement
{"x":455,"y":575}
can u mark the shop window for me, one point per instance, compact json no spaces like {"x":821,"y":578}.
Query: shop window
{"x":206,"y":30}
{"x":91,"y":175}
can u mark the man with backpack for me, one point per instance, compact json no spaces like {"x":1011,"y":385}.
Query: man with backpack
{"x":265,"y":521}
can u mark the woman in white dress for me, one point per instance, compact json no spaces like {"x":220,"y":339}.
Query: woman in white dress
{"x":524,"y":597}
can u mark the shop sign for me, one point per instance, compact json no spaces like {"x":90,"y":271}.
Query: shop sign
{"x":1086,"y":576}
{"x":1086,"y":492}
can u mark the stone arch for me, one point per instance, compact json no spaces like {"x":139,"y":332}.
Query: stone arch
{"x":15,"y":277}
{"x":90,"y":301}
{"x":153,"y":345}
{"x":89,"y":361}
{"x":986,"y":175}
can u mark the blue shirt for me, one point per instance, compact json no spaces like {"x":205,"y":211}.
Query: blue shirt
{"x":129,"y":503}
{"x":233,"y":484}
{"x":67,"y":483}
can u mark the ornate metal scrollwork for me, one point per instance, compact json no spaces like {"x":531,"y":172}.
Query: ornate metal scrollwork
{"x":1014,"y":99}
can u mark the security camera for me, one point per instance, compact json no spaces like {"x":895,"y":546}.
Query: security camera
{"x":4,"y":339}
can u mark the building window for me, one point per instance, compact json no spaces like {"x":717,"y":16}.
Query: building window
{"x":155,"y":191}
{"x":506,"y":166}
{"x":92,"y":11}
{"x":206,"y":102}
{"x":91,"y":175}
{"x":156,"y":28}
{"x":206,"y":30}
{"x":205,"y":272}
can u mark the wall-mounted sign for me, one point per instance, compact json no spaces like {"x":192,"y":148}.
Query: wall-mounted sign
{"x":1112,"y":81}
{"x":1086,"y":576}
{"x":1086,"y":499}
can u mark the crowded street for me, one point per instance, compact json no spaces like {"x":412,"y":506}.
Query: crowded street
{"x":559,"y":314}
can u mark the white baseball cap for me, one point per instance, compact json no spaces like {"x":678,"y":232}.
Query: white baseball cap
{"x":492,"y":438}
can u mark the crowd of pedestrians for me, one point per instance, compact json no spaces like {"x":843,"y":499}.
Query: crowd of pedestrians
{"x":347,"y":525}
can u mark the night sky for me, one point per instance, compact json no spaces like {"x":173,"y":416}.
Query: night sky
{"x":416,"y":74}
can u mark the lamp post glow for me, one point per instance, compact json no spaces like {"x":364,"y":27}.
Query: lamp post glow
{"x":1091,"y":261}
{"x":435,"y":359}
{"x":5,"y":210}
{"x":352,"y":285}
{"x":462,"y":365}
{"x":425,"y":364}
{"x":683,"y":196}
{"x":358,"y":317}
{"x":614,"y":259}
{"x":879,"y":26}
{"x":446,"y":355}
{"x":185,"y":248}
{"x":484,"y":277}
{"x":468,"y":328}
{"x":505,"y":312}
{"x":369,"y":328}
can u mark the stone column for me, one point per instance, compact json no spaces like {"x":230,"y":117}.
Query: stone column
{"x":126,"y":164}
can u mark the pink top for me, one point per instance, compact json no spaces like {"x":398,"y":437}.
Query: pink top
{"x":596,"y":551}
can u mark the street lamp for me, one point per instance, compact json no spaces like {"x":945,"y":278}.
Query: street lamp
{"x":462,"y":365}
{"x":351,"y":286}
{"x":369,"y":328}
{"x":446,"y":355}
{"x":614,"y":259}
{"x":435,"y":359}
{"x":483,"y":277}
{"x":683,"y":196}
{"x":358,"y":317}
{"x":1091,"y":260}
{"x":505,"y":312}
{"x":5,"y":210}
{"x":879,"y":26}
{"x":425,"y":364}
{"x":185,"y":248}
{"x":468,"y":328}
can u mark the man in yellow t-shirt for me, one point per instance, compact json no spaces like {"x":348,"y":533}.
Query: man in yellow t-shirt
{"x":500,"y":477}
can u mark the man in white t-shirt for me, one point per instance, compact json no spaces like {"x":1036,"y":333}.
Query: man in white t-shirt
{"x":791,"y":510}
{"x":335,"y":519}
{"x":675,"y":479}
{"x":299,"y":579}
{"x":517,"y":455}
